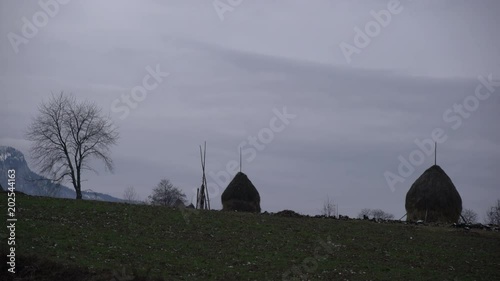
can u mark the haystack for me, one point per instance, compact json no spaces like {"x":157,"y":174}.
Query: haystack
{"x":179,"y":203}
{"x":241,"y":195}
{"x":433,"y":198}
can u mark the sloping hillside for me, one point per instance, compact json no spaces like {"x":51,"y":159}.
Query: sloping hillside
{"x":60,"y":239}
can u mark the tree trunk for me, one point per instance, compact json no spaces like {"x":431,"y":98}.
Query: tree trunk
{"x":78,"y":190}
{"x":78,"y":193}
{"x":78,"y":186}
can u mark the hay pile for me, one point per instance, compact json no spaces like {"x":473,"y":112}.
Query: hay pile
{"x":289,"y":214}
{"x":241,"y":195}
{"x":433,"y":198}
{"x":179,"y":203}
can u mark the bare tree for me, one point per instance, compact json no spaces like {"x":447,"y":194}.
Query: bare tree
{"x":166,"y":194}
{"x":468,"y":216}
{"x":329,"y":208}
{"x":365,"y":213}
{"x":379,"y":214}
{"x":66,"y":135}
{"x":493,"y":214}
{"x":130,"y":195}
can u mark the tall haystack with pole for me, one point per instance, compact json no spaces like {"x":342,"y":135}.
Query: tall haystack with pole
{"x":241,"y":195}
{"x":433,"y":198}
{"x":202,"y":198}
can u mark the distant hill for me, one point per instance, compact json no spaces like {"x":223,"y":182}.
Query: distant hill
{"x":31,"y":183}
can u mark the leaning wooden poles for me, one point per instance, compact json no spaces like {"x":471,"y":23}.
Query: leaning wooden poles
{"x":202,"y":198}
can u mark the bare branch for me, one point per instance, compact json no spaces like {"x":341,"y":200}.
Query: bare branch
{"x":130,"y":195}
{"x":66,"y":135}
{"x":493,"y":214}
{"x":166,"y":194}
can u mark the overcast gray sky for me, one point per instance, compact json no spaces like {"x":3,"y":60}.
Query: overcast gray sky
{"x":234,"y":64}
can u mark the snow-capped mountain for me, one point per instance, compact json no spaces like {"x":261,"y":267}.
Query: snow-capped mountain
{"x":31,"y":183}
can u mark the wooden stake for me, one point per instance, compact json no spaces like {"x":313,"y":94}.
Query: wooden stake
{"x":403,"y":216}
{"x":197,"y":198}
{"x":204,"y":198}
{"x":204,"y":177}
{"x":204,"y":156}
{"x":202,"y":190}
{"x":240,"y":159}
{"x":466,"y":222}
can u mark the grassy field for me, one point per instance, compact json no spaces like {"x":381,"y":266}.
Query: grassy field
{"x":59,"y":239}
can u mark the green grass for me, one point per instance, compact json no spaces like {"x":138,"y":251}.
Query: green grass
{"x":83,"y":240}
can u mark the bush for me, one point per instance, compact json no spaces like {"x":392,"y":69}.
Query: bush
{"x":166,"y":194}
{"x":377,"y":214}
{"x":468,"y":216}
{"x":493,"y":214}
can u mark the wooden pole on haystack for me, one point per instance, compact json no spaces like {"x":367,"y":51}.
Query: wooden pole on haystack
{"x":240,"y":159}
{"x":435,"y":153}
